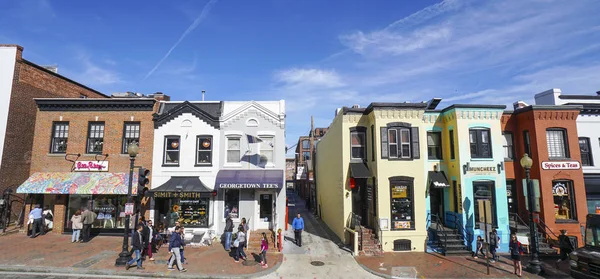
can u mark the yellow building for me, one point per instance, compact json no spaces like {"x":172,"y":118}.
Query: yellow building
{"x":370,"y":170}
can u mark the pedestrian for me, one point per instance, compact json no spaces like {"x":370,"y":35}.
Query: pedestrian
{"x":145,"y":235}
{"x":87,"y":217}
{"x":151,"y":236}
{"x":264,"y":247}
{"x":38,"y":225}
{"x":136,"y":246}
{"x":494,"y":240}
{"x":182,"y":233}
{"x":48,"y":218}
{"x":239,"y":243}
{"x":228,"y":232}
{"x":298,"y":226}
{"x":516,"y":250}
{"x":175,"y":244}
{"x":565,"y":247}
{"x":246,"y":227}
{"x":480,"y":248}
{"x":77,"y":225}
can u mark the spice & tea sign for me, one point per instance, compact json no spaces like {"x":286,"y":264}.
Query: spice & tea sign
{"x":561,"y":165}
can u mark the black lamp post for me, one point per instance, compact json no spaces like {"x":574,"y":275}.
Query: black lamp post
{"x":125,"y":256}
{"x":534,"y":265}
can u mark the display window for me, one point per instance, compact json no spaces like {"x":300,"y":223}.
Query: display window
{"x":108,"y":208}
{"x":402,"y":205}
{"x":564,"y":202}
{"x":232,"y":203}
{"x":188,"y":212}
{"x":484,"y":190}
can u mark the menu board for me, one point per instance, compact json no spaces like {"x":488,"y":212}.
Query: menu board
{"x":193,"y":212}
{"x":401,"y":204}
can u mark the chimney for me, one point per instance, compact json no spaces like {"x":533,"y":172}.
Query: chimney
{"x":203,"y":92}
{"x":51,"y":68}
{"x":598,"y":93}
{"x":159,"y":96}
{"x":519,"y":104}
{"x":355,"y":106}
{"x":337,"y":111}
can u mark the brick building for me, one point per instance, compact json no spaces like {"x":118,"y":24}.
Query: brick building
{"x":20,"y":82}
{"x":304,"y":180}
{"x":79,"y":157}
{"x":549,"y":135}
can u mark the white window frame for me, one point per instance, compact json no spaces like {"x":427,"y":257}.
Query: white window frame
{"x":394,"y":144}
{"x":229,"y":138}
{"x":402,"y":144}
{"x":263,"y":137}
{"x":166,"y":148}
{"x":508,"y":146}
{"x":362,"y":146}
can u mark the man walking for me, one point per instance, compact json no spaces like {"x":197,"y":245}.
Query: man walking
{"x":228,"y":233}
{"x":298,"y":226}
{"x":136,"y":246}
{"x":38,"y":222}
{"x":87,"y":217}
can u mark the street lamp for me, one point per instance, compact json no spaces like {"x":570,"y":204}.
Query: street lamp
{"x":125,"y":256}
{"x":534,"y":265}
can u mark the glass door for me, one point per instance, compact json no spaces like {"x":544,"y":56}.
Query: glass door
{"x":265,"y":211}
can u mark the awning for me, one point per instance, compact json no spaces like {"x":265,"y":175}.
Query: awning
{"x":249,"y":179}
{"x":359,"y":170}
{"x":437,"y":179}
{"x":182,"y":187}
{"x":78,"y":183}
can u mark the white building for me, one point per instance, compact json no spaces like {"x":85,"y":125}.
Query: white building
{"x":588,"y":129}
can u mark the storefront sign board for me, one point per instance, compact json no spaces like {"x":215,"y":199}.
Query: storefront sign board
{"x":129,"y":209}
{"x":561,"y":165}
{"x":182,"y":195}
{"x":249,"y":186}
{"x":91,"y":166}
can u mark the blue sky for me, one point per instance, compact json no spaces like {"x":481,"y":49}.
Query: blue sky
{"x":317,"y":55}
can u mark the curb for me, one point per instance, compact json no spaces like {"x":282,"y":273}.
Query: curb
{"x":176,"y":274}
{"x":372,"y":271}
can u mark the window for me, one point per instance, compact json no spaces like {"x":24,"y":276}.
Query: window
{"x":509,"y":152}
{"x":511,"y":195}
{"x":305,"y":144}
{"x":451,"y":135}
{"x":557,"y":143}
{"x":267,"y":145}
{"x":109,"y":209}
{"x":434,"y":145}
{"x":60,"y":135}
{"x":402,"y":204}
{"x":399,"y":141}
{"x":484,"y":190}
{"x":586,"y":152}
{"x":231,"y":198}
{"x":564,"y":200}
{"x":527,"y":142}
{"x":372,"y":142}
{"x":480,"y":143}
{"x":233,"y":150}
{"x":95,"y":137}
{"x":172,"y":145}
{"x":306,"y":155}
{"x":358,"y":143}
{"x":204,"y":150}
{"x":131,"y":134}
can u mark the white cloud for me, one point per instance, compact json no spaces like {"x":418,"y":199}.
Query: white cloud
{"x":309,"y":77}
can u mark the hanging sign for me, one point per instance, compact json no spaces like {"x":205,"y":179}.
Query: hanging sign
{"x":91,"y":166}
{"x":561,"y":165}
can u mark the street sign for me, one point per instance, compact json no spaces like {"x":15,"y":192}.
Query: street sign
{"x":129,"y":209}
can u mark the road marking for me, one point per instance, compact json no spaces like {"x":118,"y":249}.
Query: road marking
{"x":85,"y":275}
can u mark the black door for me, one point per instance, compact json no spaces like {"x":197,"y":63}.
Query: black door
{"x":436,"y":198}
{"x":359,"y":200}
{"x":511,"y":194}
{"x":266,"y":207}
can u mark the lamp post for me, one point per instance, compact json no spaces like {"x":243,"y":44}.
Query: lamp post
{"x":534,"y":265}
{"x":125,"y":256}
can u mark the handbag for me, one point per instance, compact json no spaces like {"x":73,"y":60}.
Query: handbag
{"x":236,"y":243}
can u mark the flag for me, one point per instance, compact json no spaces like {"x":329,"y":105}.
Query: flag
{"x":253,"y":139}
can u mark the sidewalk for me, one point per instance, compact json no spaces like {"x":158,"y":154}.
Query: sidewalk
{"x":432,"y":265}
{"x":56,"y":253}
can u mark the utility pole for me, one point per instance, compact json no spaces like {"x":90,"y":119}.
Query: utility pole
{"x":312,"y":160}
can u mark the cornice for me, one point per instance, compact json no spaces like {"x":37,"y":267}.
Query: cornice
{"x":478,"y":115}
{"x":399,"y":114}
{"x":253,"y":107}
{"x":432,"y":118}
{"x":555,"y":115}
{"x":95,"y":104}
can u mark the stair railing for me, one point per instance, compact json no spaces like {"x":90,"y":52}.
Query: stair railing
{"x":460,"y":229}
{"x":439,"y":228}
{"x":355,"y":220}
{"x":518,"y":220}
{"x":545,"y":229}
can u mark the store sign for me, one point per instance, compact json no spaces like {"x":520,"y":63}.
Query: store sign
{"x":249,"y":185}
{"x":479,"y":170}
{"x":567,"y":165}
{"x":300,"y":174}
{"x":182,"y":195}
{"x":129,"y":209}
{"x":91,"y":166}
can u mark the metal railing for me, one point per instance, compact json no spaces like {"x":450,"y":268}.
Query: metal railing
{"x":460,"y":229}
{"x":545,"y":229}
{"x":439,"y":228}
{"x":518,"y":221}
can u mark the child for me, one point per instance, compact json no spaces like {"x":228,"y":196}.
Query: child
{"x":264,"y":246}
{"x":479,"y":247}
{"x":516,"y":250}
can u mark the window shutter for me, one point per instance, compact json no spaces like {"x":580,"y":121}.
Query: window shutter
{"x":414,"y":136}
{"x":384,"y":143}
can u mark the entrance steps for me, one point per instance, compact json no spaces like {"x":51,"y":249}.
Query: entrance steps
{"x":371,"y":246}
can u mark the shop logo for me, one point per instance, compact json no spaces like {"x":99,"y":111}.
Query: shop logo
{"x":570,"y":165}
{"x":91,"y":166}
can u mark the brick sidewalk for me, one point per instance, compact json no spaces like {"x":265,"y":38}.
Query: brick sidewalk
{"x":430,"y":265}
{"x":99,"y":255}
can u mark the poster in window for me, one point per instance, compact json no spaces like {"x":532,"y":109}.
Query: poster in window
{"x":401,"y":205}
{"x":399,"y":192}
{"x":401,"y":225}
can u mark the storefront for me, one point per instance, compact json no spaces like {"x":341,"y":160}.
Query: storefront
{"x":592,"y":190}
{"x":438,"y":194}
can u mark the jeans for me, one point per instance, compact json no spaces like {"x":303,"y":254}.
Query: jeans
{"x":76,"y":233}
{"x":298,"y":235}
{"x":86,"y":232}
{"x":240,"y":251}
{"x":263,"y":257}
{"x":137,"y":259}
{"x":38,"y":224}
{"x":176,"y":256}
{"x":227,"y":241}
{"x":493,"y":251}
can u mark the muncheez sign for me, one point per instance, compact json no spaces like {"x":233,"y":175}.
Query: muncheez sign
{"x":91,"y":166}
{"x":561,"y":165}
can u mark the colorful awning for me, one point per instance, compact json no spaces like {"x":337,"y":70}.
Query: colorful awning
{"x":78,"y":183}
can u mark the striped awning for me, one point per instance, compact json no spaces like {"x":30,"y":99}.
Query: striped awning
{"x":78,"y":183}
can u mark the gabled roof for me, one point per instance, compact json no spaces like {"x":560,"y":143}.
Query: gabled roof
{"x":209,"y":112}
{"x":251,"y":104}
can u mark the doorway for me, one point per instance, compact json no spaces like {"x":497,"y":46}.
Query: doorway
{"x":359,"y":200}
{"x":436,"y":199}
{"x":265,"y":210}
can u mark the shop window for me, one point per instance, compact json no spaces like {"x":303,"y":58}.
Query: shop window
{"x":400,"y":141}
{"x":95,"y":139}
{"x":509,"y":153}
{"x":204,"y":149}
{"x":305,"y":144}
{"x":233,"y":150}
{"x":192,"y":212}
{"x":557,"y":143}
{"x":484,"y":190}
{"x":358,"y":144}
{"x":109,"y":208}
{"x":511,"y":195}
{"x":527,"y":142}
{"x":434,"y":145}
{"x":131,"y":134}
{"x":306,"y":155}
{"x":172,"y":146}
{"x":586,"y":152}
{"x":60,"y":136}
{"x":480,"y":141}
{"x":451,"y":135}
{"x":564,"y":200}
{"x":231,"y":198}
{"x":267,"y":145}
{"x":402,"y":203}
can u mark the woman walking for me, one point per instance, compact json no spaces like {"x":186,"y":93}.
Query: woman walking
{"x":48,"y":218}
{"x":244,"y":224}
{"x":77,"y":225}
{"x":264,"y":246}
{"x":516,"y":250}
{"x":241,"y":242}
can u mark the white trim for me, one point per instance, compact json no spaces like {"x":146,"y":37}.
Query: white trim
{"x":252,"y":125}
{"x":270,"y":163}
{"x":266,"y":133}
{"x":228,"y":138}
{"x":233,"y":133}
{"x":257,"y":106}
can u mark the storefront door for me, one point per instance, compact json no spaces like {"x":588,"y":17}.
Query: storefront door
{"x":266,"y":208}
{"x":436,"y":198}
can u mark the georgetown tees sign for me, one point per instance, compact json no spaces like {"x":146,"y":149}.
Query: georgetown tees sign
{"x":561,"y":165}
{"x":91,"y":166}
{"x":249,"y":186}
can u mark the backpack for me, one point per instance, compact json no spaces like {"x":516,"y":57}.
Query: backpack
{"x":48,"y":216}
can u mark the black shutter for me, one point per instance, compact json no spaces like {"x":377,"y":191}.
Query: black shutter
{"x":384,"y":143}
{"x":414,"y":136}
